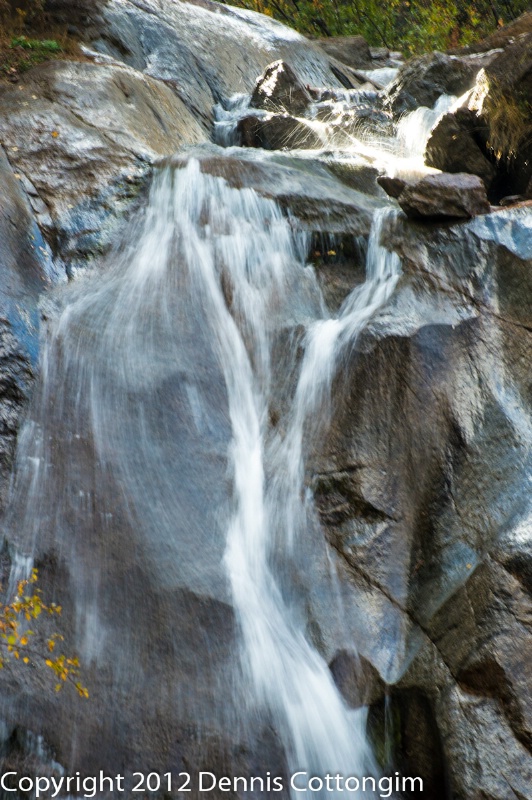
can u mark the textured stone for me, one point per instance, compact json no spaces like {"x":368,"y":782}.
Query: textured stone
{"x":280,"y":89}
{"x":454,"y":146}
{"x":445,"y":195}
{"x":277,"y":132}
{"x":425,"y":78}
{"x":351,"y":50}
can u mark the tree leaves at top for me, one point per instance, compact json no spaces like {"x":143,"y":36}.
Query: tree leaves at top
{"x":413,"y":26}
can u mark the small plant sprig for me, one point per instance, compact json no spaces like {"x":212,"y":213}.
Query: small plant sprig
{"x":19,"y":643}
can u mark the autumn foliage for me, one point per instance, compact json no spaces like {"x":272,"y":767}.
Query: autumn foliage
{"x":20,"y":643}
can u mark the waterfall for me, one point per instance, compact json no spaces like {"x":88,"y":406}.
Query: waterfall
{"x":288,"y":675}
{"x":219,"y":267}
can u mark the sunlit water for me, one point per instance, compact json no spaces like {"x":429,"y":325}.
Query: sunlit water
{"x":395,"y":149}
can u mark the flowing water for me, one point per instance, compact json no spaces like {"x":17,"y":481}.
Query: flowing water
{"x":213,"y":275}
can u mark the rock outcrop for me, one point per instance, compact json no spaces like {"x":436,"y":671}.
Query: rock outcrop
{"x":444,"y":196}
{"x":351,"y":50}
{"x":279,"y":89}
{"x":422,"y":80}
{"x":490,"y":134}
{"x":421,"y":481}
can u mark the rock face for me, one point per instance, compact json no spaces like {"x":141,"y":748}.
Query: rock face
{"x":445,"y":195}
{"x":457,"y":144}
{"x":421,"y":81}
{"x":351,"y":50}
{"x":421,"y":479}
{"x":410,"y":439}
{"x":83,"y":135}
{"x":26,"y":269}
{"x":280,"y":89}
{"x":489,"y":135}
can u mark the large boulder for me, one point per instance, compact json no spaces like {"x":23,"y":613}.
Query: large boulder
{"x":422,"y":80}
{"x":351,"y":50}
{"x":445,"y":195}
{"x":491,"y":134}
{"x":278,"y":89}
{"x":457,"y":144}
{"x":277,"y":132}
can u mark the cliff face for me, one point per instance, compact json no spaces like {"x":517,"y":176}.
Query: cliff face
{"x":420,"y":476}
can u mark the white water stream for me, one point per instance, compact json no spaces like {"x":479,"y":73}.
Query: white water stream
{"x":254,"y":243}
{"x":235,"y":257}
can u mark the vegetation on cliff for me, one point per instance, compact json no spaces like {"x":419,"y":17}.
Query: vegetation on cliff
{"x":29,"y":36}
{"x":18,"y":643}
{"x":410,"y":25}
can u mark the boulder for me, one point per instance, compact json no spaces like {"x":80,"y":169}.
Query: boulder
{"x":392,"y":186}
{"x":279,"y":88}
{"x":445,"y":195}
{"x":205,"y":50}
{"x":351,"y":50}
{"x":456,"y":145}
{"x":490,"y":135}
{"x":277,"y":132}
{"x":84,"y":136}
{"x":422,"y":80}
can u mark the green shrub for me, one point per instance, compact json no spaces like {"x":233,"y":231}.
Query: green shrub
{"x":413,"y":26}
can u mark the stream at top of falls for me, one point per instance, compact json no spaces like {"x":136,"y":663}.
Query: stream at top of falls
{"x":211,"y":279}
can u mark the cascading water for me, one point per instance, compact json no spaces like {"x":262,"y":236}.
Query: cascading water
{"x":222,"y":267}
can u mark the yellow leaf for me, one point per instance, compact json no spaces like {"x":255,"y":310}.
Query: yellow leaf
{"x":55,"y":134}
{"x":26,"y":660}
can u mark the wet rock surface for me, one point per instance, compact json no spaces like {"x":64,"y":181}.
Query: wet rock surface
{"x":421,"y":482}
{"x":489,"y":135}
{"x":280,"y":89}
{"x":422,"y":80}
{"x":84,"y":135}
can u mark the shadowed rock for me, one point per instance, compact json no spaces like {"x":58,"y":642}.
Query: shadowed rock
{"x":277,"y":132}
{"x":353,"y":51}
{"x":392,"y":186}
{"x":455,"y":145}
{"x":423,"y":79}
